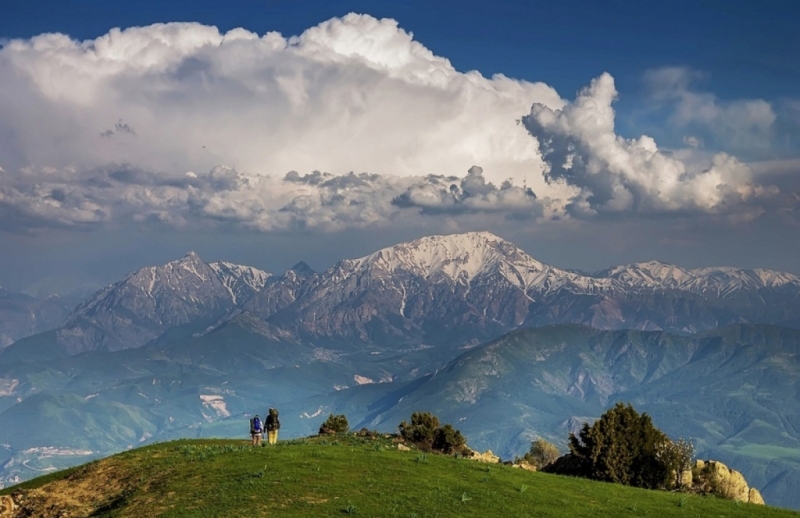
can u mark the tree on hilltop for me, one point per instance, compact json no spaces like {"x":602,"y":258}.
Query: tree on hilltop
{"x":420,"y":430}
{"x":334,"y":424}
{"x":541,"y":454}
{"x":425,"y":432}
{"x":623,"y":446}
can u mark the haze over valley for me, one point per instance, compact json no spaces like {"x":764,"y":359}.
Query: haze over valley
{"x":512,"y":215}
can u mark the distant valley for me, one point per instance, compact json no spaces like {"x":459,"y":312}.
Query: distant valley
{"x":467,"y":326}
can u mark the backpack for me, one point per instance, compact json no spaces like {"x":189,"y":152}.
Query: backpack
{"x":273,"y":423}
{"x":255,"y":425}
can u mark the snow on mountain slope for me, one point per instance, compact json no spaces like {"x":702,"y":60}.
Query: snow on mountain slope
{"x":650,"y":274}
{"x":451,"y":289}
{"x":149,"y":301}
{"x":720,"y":280}
{"x":466,"y":257}
{"x":241,"y":281}
{"x":458,"y":257}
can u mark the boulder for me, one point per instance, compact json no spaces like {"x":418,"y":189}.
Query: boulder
{"x":403,"y":447}
{"x":7,"y":506}
{"x":486,"y":456}
{"x":686,"y":479}
{"x":527,"y":466}
{"x":714,"y":477}
{"x":755,"y":497}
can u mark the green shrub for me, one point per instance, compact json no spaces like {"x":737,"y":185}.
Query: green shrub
{"x":421,"y":430}
{"x":426,"y":434}
{"x":622,"y":447}
{"x":334,"y":424}
{"x":448,"y":440}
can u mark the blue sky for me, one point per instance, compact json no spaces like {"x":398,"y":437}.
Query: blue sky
{"x":748,"y":49}
{"x":647,"y":130}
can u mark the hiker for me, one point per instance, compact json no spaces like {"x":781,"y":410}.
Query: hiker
{"x":256,"y":430}
{"x":273,"y":425}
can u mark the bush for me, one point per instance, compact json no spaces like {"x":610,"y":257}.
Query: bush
{"x":622,"y":447}
{"x":421,"y":430}
{"x":449,"y":440}
{"x":542,"y":453}
{"x":334,"y":424}
{"x":425,"y":432}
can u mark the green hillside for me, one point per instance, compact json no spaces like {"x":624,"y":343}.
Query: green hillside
{"x":334,"y":477}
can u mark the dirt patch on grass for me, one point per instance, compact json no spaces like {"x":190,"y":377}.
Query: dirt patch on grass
{"x":100,"y":486}
{"x":314,"y":500}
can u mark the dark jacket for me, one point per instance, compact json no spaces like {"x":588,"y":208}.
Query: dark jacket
{"x":273,"y":423}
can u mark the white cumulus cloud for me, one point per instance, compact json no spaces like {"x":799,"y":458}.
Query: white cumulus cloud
{"x":351,"y":94}
{"x":614,"y":174}
{"x":179,"y":124}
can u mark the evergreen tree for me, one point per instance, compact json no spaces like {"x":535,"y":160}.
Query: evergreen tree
{"x":334,"y":424}
{"x":622,"y":446}
{"x":421,"y":430}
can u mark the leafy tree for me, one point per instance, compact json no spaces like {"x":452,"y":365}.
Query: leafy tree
{"x":421,"y":430}
{"x":334,"y":424}
{"x":622,"y":446}
{"x":541,"y":453}
{"x":677,"y":457}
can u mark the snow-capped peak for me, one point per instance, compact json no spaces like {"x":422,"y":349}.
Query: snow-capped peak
{"x":647,"y":274}
{"x":240,"y":281}
{"x":456,"y":256}
{"x":721,"y":279}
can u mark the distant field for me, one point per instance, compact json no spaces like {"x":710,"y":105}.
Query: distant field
{"x":341,"y":476}
{"x":764,"y":451}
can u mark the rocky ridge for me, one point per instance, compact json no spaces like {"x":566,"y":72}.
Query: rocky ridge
{"x":456,"y":289}
{"x":152,"y":300}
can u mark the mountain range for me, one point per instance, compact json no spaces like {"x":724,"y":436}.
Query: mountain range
{"x":458,"y":290}
{"x":467,"y":326}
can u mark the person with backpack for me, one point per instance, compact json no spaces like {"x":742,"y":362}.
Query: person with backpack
{"x":256,"y":430}
{"x":273,"y":425}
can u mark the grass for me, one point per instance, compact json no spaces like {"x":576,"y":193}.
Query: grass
{"x":345,"y":476}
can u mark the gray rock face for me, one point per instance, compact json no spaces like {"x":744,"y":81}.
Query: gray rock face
{"x":152,"y":300}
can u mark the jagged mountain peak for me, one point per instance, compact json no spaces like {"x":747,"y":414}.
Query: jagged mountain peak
{"x":725,"y":279}
{"x":457,"y":256}
{"x":240,"y":281}
{"x":153,"y":299}
{"x":189,"y":258}
{"x":648,"y":273}
{"x":302,"y":269}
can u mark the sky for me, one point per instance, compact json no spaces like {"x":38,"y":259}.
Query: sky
{"x":268,"y":132}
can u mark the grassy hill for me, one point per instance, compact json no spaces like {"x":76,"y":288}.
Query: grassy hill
{"x":337,"y":476}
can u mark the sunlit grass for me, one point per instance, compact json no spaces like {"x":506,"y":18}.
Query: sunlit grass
{"x":359,"y":477}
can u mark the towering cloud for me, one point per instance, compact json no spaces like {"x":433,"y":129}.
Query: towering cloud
{"x":350,"y":124}
{"x":614,"y":174}
{"x":352,"y":94}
